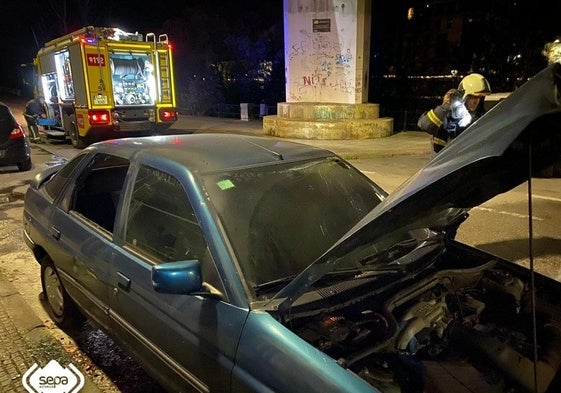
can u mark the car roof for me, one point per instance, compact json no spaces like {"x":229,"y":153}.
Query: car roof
{"x":212,"y":152}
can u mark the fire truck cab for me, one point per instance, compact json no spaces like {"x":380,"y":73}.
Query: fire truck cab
{"x":102,"y":83}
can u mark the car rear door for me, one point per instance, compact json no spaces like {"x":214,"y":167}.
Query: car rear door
{"x":187,"y":342}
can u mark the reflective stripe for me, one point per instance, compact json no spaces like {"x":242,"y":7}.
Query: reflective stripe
{"x":438,"y":141}
{"x":433,"y":118}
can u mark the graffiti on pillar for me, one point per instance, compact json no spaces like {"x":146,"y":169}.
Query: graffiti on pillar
{"x":324,"y":113}
{"x":314,"y":44}
{"x":344,"y":59}
{"x":328,"y":112}
{"x":325,"y":44}
{"x":346,"y":87}
{"x":322,"y":68}
{"x":326,"y":67}
{"x":311,"y":80}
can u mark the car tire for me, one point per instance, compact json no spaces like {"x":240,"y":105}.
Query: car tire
{"x":24,"y":166}
{"x":60,"y":307}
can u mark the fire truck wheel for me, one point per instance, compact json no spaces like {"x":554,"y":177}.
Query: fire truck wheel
{"x":77,"y":141}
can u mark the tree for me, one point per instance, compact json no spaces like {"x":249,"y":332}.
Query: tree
{"x":239,"y":53}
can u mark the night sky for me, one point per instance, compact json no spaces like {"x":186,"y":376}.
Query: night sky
{"x":26,"y":26}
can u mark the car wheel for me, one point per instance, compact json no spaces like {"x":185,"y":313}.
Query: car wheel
{"x":60,"y":307}
{"x":24,"y":166}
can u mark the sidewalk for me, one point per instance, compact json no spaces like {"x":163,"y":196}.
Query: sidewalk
{"x":401,"y":143}
{"x":25,"y":341}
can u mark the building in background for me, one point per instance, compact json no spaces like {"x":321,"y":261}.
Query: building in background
{"x":423,"y":48}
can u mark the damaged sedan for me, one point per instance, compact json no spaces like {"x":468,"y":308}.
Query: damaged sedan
{"x":248,"y":264}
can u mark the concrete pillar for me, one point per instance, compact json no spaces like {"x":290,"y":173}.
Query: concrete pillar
{"x":327,"y":56}
{"x":327,"y":50}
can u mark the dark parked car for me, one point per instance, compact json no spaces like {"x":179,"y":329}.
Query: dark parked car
{"x":246,"y":264}
{"x":14,"y":146}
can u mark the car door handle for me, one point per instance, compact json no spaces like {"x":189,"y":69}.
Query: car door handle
{"x":55,"y":232}
{"x":123,"y":281}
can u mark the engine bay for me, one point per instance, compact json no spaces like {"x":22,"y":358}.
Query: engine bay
{"x":465,"y":329}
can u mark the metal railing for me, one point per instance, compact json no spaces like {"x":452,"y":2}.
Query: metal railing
{"x":404,"y":119}
{"x":233,"y":111}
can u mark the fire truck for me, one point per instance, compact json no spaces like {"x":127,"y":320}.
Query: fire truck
{"x":102,"y":83}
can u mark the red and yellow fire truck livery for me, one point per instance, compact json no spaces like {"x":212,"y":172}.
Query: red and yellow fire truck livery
{"x":102,"y":83}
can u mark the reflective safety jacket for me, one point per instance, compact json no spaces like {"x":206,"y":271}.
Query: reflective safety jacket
{"x":34,"y":108}
{"x":445,"y":123}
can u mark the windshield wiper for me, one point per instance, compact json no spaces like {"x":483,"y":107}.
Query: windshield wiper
{"x":369,"y":272}
{"x":358,"y":272}
{"x":390,"y":253}
{"x":266,"y":286}
{"x":354,"y":273}
{"x":399,"y":255}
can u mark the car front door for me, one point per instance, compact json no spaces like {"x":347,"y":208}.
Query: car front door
{"x":82,"y":227}
{"x":188,"y":342}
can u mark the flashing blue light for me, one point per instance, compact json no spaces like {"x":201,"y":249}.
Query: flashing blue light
{"x":89,"y":40}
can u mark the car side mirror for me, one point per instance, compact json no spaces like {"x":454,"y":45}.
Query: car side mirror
{"x":183,"y":277}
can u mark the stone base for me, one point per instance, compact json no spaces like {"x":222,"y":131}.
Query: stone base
{"x":327,"y":121}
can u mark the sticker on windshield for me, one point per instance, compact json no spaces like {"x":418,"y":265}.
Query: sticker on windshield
{"x":225,"y":184}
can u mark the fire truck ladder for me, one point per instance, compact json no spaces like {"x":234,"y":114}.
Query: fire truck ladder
{"x":163,"y":66}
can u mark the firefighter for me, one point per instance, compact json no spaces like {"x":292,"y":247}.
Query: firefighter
{"x":460,"y":107}
{"x":34,"y":109}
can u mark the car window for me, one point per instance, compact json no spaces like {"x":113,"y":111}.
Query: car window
{"x":98,"y":189}
{"x":161,"y":222}
{"x":55,"y":184}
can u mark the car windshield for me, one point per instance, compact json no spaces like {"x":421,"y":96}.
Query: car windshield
{"x":281,"y":217}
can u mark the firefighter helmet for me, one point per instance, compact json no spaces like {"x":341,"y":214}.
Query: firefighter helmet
{"x":475,"y":85}
{"x":552,"y":51}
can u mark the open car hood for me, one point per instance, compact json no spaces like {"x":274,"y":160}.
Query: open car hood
{"x":495,"y":154}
